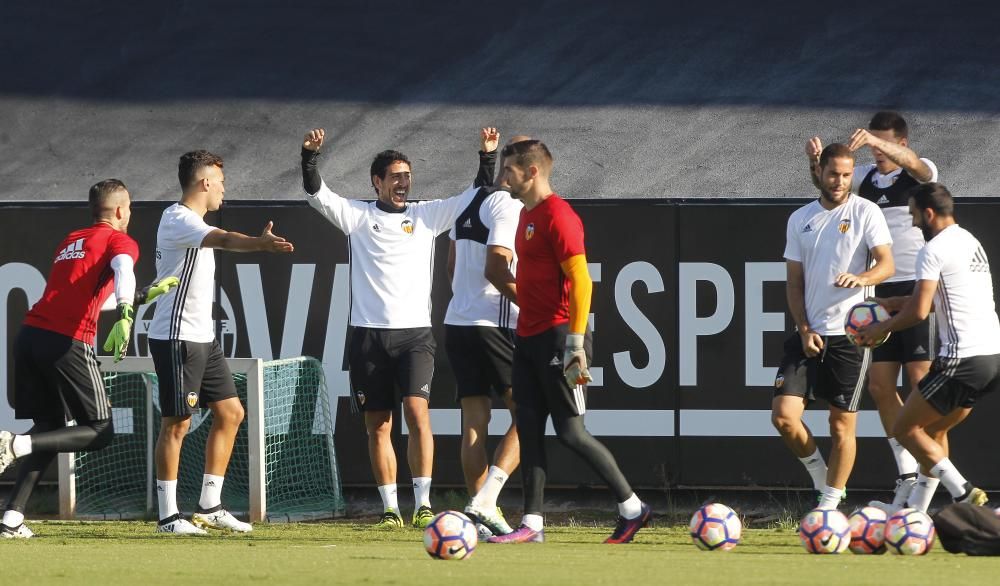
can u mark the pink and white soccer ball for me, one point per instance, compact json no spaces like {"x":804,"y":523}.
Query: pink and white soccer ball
{"x":715,"y":527}
{"x":825,"y":531}
{"x":451,"y":536}
{"x":868,"y":530}
{"x":909,"y":532}
{"x":864,"y":314}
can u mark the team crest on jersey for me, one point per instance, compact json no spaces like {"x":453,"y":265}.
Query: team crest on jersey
{"x":844,"y":226}
{"x":192,"y":399}
{"x":779,"y":381}
{"x":407,"y":226}
{"x":529,"y":231}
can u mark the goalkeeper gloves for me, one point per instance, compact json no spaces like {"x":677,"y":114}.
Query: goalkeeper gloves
{"x":575,"y":361}
{"x":118,"y":338}
{"x":151,"y":292}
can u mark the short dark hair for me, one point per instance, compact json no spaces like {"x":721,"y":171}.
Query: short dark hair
{"x":100,"y":193}
{"x":889,"y":120}
{"x":192,"y":162}
{"x":933,"y":196}
{"x":385,"y":159}
{"x":835,"y":151}
{"x":526,"y":153}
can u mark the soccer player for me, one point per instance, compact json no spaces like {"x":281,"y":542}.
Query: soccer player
{"x":886,"y":182}
{"x":479,"y":334}
{"x":953,"y":276}
{"x":56,"y":374}
{"x":553,"y":347}
{"x":190,"y":365}
{"x":827,"y":249}
{"x":391,"y":345}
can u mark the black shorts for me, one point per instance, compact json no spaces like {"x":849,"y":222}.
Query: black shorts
{"x":56,"y":377}
{"x":836,"y":375}
{"x":960,"y":382}
{"x":539,"y":382}
{"x":481,"y":358}
{"x":388,"y":364}
{"x":190,"y":375}
{"x":914,"y":344}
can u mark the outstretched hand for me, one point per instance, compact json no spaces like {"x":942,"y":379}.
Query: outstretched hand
{"x":860,"y":138}
{"x":314,"y":139}
{"x":814,"y":148}
{"x":489,"y":139}
{"x":271,"y":242}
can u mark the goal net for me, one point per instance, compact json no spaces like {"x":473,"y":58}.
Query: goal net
{"x":283,"y":466}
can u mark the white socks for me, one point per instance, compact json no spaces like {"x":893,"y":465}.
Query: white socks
{"x":631,"y":508}
{"x":166,"y":496}
{"x":211,"y":491}
{"x":13,"y":518}
{"x":950,"y":477}
{"x":389,"y":500}
{"x":533,"y":522}
{"x":905,"y":462}
{"x":816,"y":467}
{"x":830,"y":497}
{"x":923,"y":492}
{"x":21,"y":446}
{"x":422,"y":491}
{"x":486,"y":498}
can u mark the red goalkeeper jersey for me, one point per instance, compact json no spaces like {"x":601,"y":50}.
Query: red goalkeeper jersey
{"x":80,"y":281}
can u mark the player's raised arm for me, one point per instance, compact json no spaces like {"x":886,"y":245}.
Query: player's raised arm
{"x":237,"y":242}
{"x":489,"y":141}
{"x":342,"y":213}
{"x":311,"y":143}
{"x":814,"y":148}
{"x":899,"y":154}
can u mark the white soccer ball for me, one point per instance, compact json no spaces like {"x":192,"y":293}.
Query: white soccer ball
{"x":715,"y":527}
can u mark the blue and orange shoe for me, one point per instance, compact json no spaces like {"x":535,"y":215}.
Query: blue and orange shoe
{"x":626,"y":529}
{"x":522,"y":534}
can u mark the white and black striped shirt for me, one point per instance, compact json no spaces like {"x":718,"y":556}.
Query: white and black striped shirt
{"x":184,"y":313}
{"x":964,"y":307}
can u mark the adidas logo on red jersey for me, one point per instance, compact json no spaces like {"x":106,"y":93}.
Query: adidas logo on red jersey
{"x":71,"y":252}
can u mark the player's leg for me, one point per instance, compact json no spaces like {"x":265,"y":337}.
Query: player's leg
{"x":792,"y":391}
{"x":465,"y":355}
{"x":840,"y":380}
{"x":475,"y":428}
{"x":843,"y":449}
{"x":923,"y":491}
{"x":29,"y":473}
{"x":413,"y":350}
{"x":176,"y":377}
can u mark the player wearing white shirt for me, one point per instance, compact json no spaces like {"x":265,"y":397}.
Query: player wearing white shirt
{"x":391,"y":345}
{"x":953,"y":276}
{"x":827,"y":257}
{"x":479,"y":335}
{"x":190,"y":366}
{"x":887,"y":182}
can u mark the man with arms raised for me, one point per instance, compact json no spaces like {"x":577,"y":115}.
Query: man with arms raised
{"x":827,"y":248}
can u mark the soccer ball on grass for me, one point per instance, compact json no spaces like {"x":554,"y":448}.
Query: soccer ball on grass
{"x":909,"y":532}
{"x":715,"y":527}
{"x":867,"y":530}
{"x":450,"y":536}
{"x":825,"y":531}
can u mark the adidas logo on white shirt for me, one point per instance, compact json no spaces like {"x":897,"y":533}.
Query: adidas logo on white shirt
{"x":882,"y":200}
{"x":73,"y":251}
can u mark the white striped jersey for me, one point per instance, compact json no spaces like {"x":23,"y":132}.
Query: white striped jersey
{"x":489,"y":220}
{"x":963,"y":303}
{"x":830,"y":242}
{"x":185,"y":312}
{"x":392,"y":255}
{"x":890,"y":193}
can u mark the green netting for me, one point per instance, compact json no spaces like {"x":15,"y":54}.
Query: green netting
{"x":302,"y":479}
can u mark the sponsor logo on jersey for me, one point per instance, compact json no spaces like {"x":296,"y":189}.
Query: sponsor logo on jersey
{"x":556,"y":361}
{"x":779,"y":381}
{"x":73,"y":251}
{"x":192,"y":399}
{"x":808,"y":228}
{"x":468,"y":223}
{"x":844,"y":226}
{"x":407,"y":226}
{"x":529,"y":231}
{"x":425,"y":389}
{"x":376,"y":228}
{"x":360,"y":396}
{"x":882,"y":200}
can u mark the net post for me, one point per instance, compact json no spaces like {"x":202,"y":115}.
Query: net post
{"x":151,"y":501}
{"x":255,"y":439}
{"x":67,"y":485}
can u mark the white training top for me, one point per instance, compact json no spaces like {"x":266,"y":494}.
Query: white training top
{"x":830,"y":242}
{"x":392,"y":255}
{"x":185,"y":312}
{"x":907,"y":240}
{"x":489,"y":220}
{"x":963,"y":303}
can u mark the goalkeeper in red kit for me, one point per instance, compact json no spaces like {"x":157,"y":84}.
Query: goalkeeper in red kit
{"x":56,"y":374}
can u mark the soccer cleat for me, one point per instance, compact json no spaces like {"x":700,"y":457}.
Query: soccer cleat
{"x":219,"y":518}
{"x":904,"y":487}
{"x":492,"y":520}
{"x":522,"y":534}
{"x":19,"y":532}
{"x":889,"y":509}
{"x":483,"y":532}
{"x":973,"y":496}
{"x":177,"y":525}
{"x":843,"y":497}
{"x":7,"y":456}
{"x":422,"y":517}
{"x":390,"y":520}
{"x":626,"y":529}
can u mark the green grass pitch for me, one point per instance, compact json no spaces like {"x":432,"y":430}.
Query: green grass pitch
{"x":107,"y":553}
